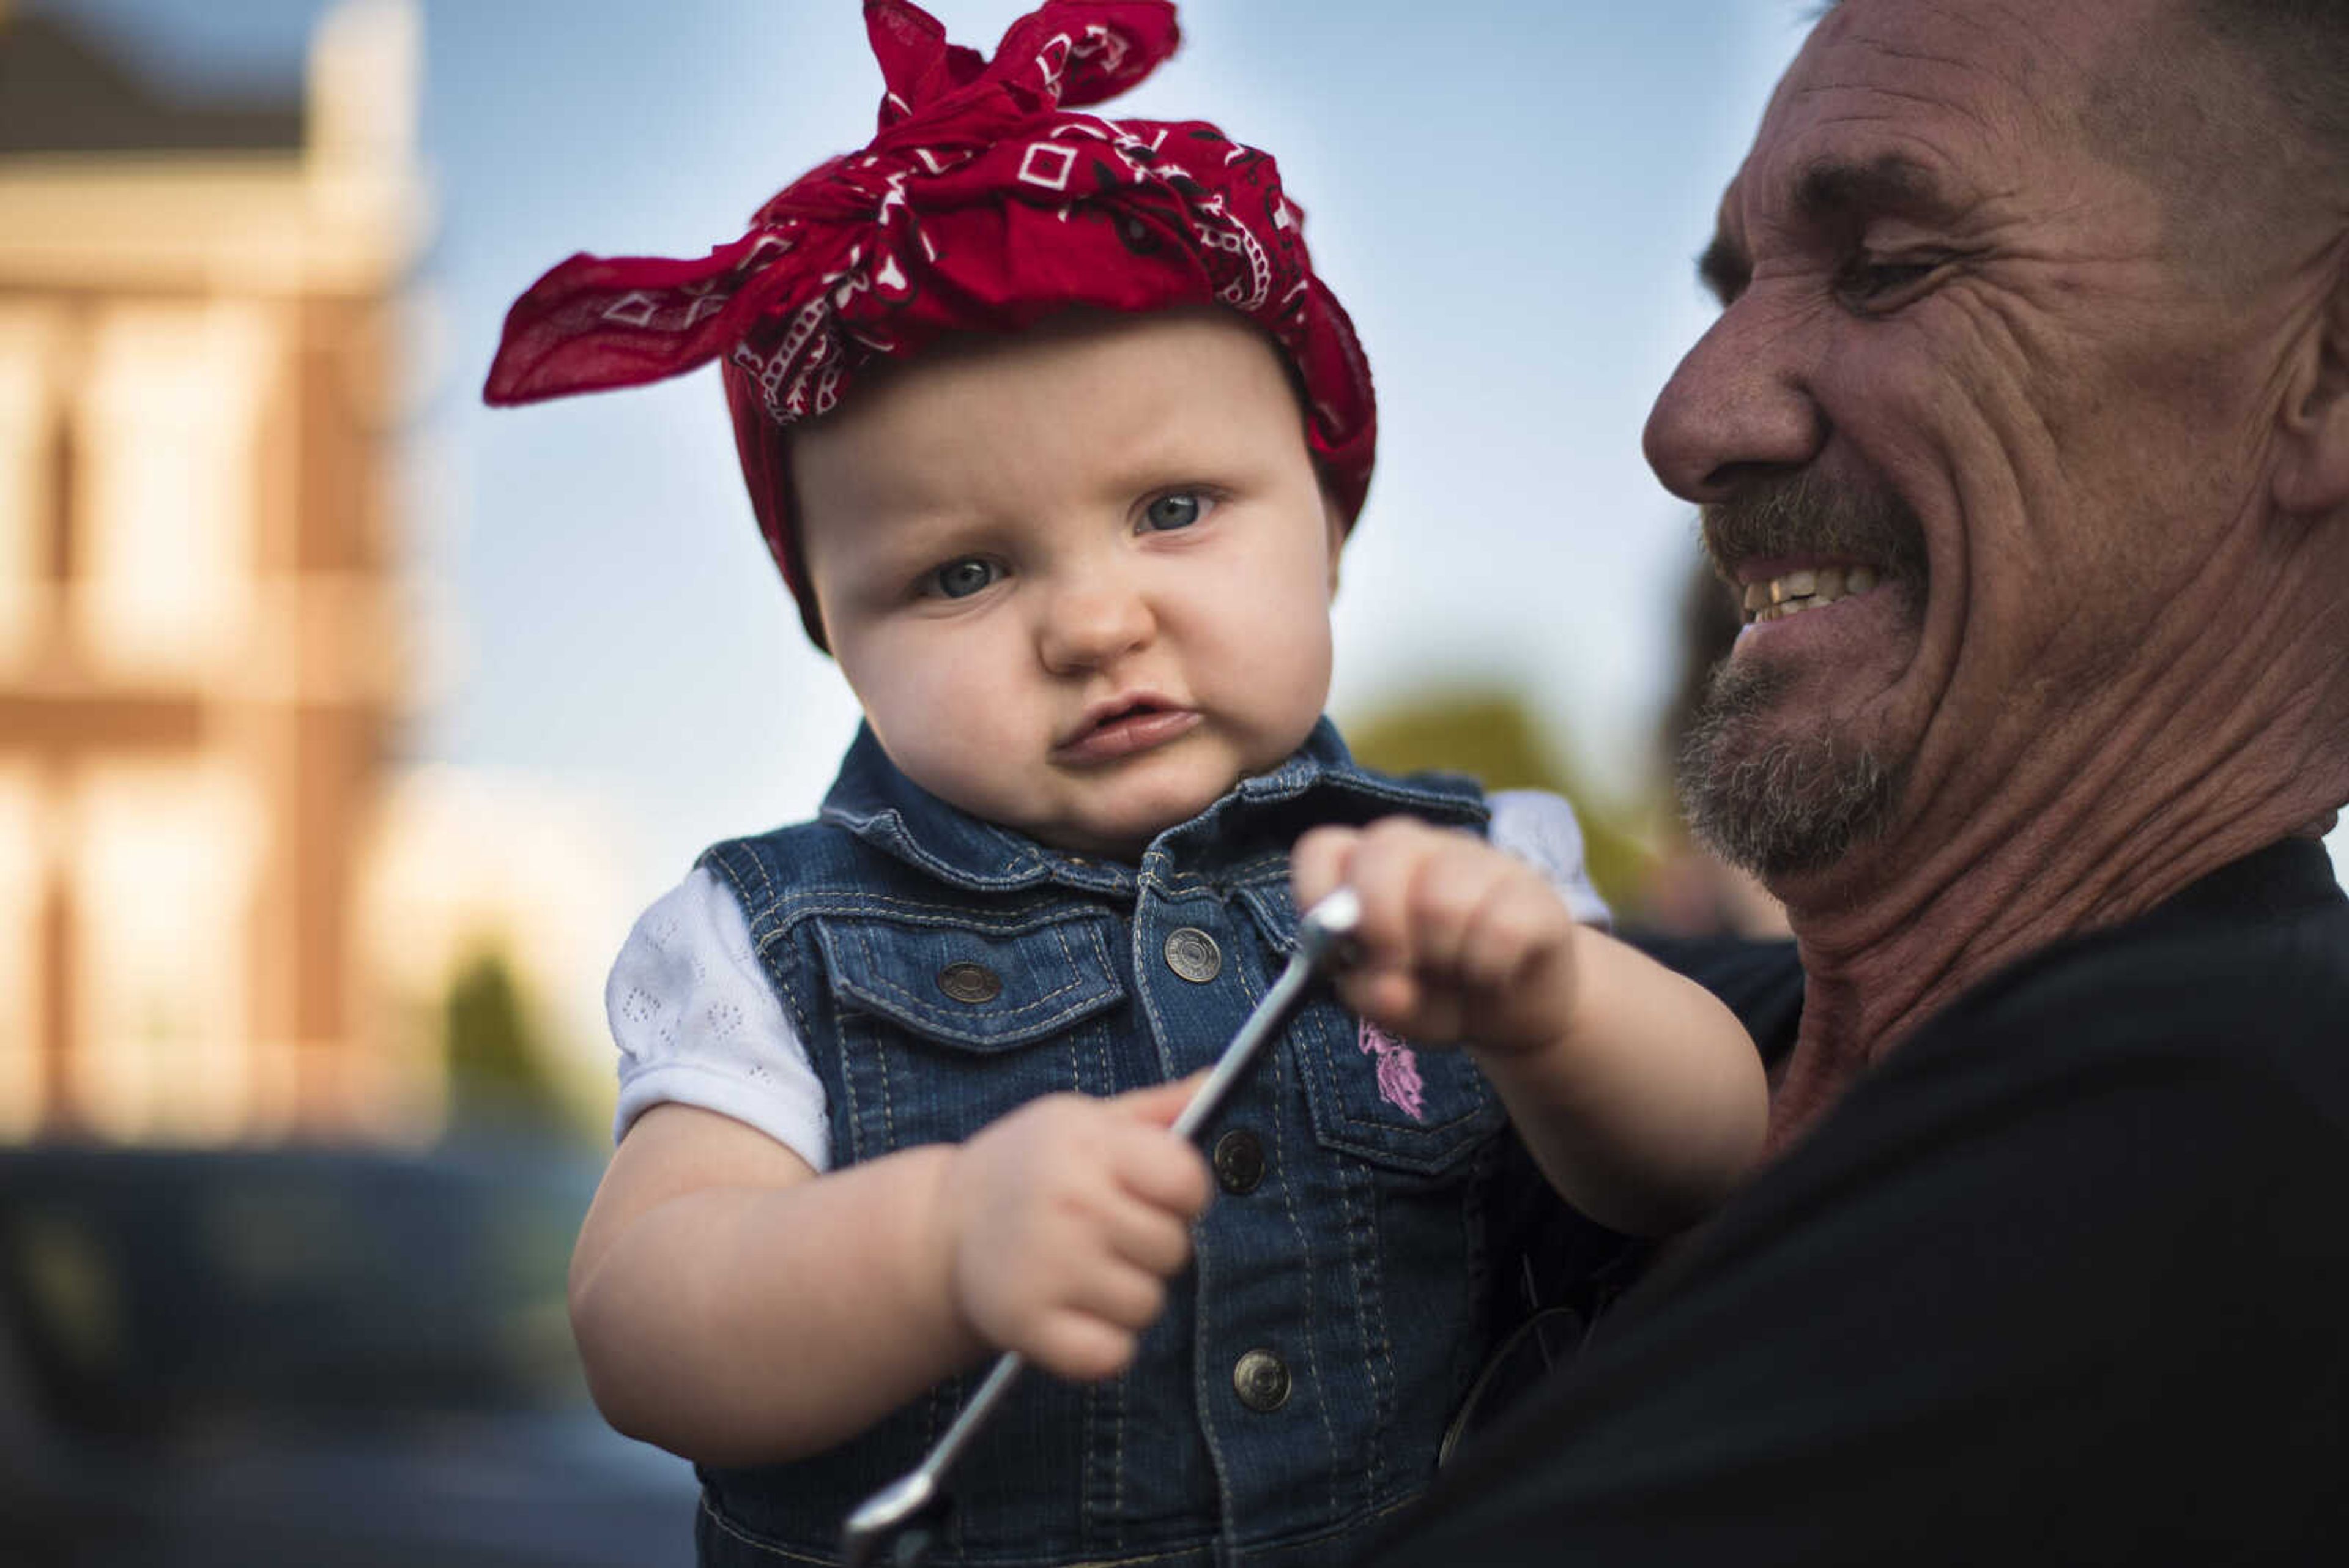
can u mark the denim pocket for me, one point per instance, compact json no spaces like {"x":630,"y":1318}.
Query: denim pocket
{"x":971,"y":987}
{"x":1413,"y":1108}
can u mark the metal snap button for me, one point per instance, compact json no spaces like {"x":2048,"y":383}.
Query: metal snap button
{"x":1240,"y":1160}
{"x":1261,"y":1380}
{"x":970,"y":983}
{"x":1192,"y":954}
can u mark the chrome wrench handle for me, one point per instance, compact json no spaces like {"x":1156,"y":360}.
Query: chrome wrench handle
{"x":1322,"y":941}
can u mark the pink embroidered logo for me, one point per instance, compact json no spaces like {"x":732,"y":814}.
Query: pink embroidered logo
{"x":1398,"y":1084}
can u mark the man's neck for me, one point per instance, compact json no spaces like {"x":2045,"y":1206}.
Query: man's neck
{"x":1892,"y":938}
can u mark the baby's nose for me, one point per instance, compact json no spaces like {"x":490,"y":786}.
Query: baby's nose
{"x":1087,"y":624}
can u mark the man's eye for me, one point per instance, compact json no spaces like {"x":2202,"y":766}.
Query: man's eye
{"x":1178,"y":509}
{"x":1865,"y":283}
{"x":960,"y":579}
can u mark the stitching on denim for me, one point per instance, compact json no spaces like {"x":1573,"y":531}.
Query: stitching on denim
{"x":879,"y":1051}
{"x":1276,"y":1069}
{"x":1203,"y":1395}
{"x":789,"y":989}
{"x":1026,"y":867}
{"x":876,"y":989}
{"x":1361,"y":1219}
{"x":1117,"y":1467}
{"x":1086,"y":1400}
{"x":1029,"y":1029}
{"x":1412,"y":1145}
{"x":1351,"y":1524}
{"x":1348,"y":1526}
{"x":1203,"y":1288}
{"x":851,"y":1115}
{"x":767,"y":908}
{"x":755,"y":1543}
{"x":794,"y":910}
{"x":1148,"y":993}
{"x":840,"y":904}
{"x":1261,"y":871}
{"x":1108,"y":964}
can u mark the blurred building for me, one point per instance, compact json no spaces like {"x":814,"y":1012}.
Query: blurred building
{"x":201,"y":655}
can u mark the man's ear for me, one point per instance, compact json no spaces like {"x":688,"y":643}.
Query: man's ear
{"x":2311,"y":475}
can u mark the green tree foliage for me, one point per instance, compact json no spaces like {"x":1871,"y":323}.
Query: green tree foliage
{"x":498,"y":1074}
{"x":1492,"y":736}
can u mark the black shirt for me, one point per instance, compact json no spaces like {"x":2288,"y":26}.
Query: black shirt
{"x":2064,"y":1279}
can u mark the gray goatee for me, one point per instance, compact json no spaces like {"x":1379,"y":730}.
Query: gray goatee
{"x":1778,"y":804}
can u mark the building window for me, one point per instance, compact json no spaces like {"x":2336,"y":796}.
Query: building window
{"x":164,"y":877}
{"x":28,"y":465}
{"x":23,"y":868}
{"x":167,"y":483}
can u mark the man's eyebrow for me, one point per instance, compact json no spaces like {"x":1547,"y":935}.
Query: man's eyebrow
{"x":1724,"y":268}
{"x":1837,"y":192}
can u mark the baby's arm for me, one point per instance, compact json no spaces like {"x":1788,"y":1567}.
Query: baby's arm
{"x":733,"y":1306}
{"x":1639,"y":1092}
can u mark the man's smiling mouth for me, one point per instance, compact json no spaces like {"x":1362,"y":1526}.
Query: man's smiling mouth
{"x":1806,"y":588}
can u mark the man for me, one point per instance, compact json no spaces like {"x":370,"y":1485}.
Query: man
{"x":2024,"y":434}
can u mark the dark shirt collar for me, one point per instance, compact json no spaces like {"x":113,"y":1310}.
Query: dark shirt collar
{"x":872,"y":799}
{"x":2290,"y":876}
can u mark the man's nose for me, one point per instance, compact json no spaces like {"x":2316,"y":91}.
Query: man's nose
{"x":1093,"y":620}
{"x":1739,"y":407}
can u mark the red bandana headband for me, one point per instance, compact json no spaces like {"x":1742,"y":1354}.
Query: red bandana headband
{"x":983,"y":204}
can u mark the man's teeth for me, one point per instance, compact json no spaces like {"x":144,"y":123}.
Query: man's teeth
{"x":1806,"y":589}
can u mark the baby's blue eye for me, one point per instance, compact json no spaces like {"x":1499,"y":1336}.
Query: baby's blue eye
{"x":960,"y":579}
{"x":1179,"y":510}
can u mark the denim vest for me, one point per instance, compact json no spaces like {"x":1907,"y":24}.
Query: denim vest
{"x":943,"y":970}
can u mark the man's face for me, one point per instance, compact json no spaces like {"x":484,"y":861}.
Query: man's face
{"x":1079,"y":579}
{"x":1967,"y":434}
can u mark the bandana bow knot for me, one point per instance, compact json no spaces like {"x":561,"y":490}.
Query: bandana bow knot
{"x":985,"y":201}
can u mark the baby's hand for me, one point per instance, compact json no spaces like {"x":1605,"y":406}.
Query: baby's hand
{"x":1460,"y":942}
{"x":1066,"y":1219}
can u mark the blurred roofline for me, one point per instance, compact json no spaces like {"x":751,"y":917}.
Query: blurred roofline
{"x":65,"y":89}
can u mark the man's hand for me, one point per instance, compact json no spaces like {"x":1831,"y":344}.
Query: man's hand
{"x":1460,"y":943}
{"x":1066,"y":1219}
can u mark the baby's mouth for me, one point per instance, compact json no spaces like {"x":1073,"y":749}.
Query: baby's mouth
{"x":1125,"y":726}
{"x":1804,"y":589}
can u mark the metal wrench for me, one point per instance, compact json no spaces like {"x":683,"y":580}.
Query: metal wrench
{"x":1322,"y":937}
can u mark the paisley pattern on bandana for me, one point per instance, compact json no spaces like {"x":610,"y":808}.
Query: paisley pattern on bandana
{"x":985,"y":202}
{"x":1399,"y":1081}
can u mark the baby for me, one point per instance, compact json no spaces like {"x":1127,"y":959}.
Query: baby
{"x":1057,"y":439}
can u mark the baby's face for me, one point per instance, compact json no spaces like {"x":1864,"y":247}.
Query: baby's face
{"x":1079,"y":578}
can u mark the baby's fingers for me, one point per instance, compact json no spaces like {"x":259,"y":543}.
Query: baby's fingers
{"x":1319,"y":862}
{"x":1521,"y":924}
{"x":1160,"y":1103}
{"x":1121,"y":1294}
{"x":1079,"y":1347}
{"x":1162,"y":1172}
{"x":1150,"y":1235}
{"x":1390,"y":872}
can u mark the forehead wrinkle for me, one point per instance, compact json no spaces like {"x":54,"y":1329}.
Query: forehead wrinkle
{"x":1998,"y":21}
{"x":2021,"y":59}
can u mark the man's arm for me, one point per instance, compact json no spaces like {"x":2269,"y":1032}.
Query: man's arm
{"x":2011,"y":1303}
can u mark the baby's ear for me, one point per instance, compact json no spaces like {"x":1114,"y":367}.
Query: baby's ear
{"x":1333,"y":517}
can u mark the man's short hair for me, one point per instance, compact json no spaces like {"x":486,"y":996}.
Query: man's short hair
{"x":2300,"y":48}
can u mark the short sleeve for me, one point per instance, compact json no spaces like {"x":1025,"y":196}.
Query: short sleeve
{"x":698,"y":1023}
{"x":1539,"y":829}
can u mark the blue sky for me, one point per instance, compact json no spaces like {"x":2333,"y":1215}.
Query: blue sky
{"x":1507,"y":196}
